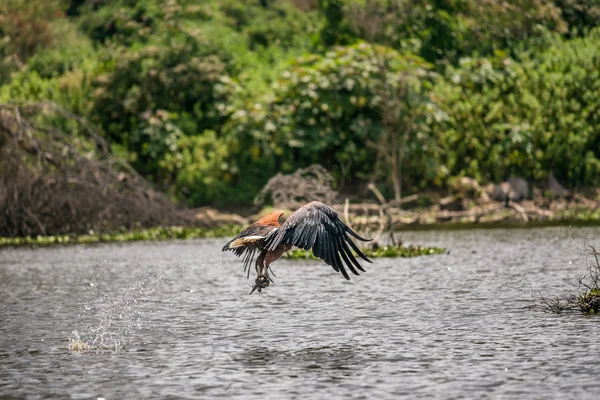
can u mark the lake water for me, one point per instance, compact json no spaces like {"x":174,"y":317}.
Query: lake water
{"x":174,"y":320}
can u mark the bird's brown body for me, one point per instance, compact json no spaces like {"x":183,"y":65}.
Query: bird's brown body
{"x":314,"y":226}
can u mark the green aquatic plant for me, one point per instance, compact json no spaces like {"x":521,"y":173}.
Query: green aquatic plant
{"x":157,"y":233}
{"x":589,"y":302}
{"x":379,"y":252}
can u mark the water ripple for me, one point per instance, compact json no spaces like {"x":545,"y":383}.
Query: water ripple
{"x":174,"y":319}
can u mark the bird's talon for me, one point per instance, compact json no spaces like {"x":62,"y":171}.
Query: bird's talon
{"x":260,"y":283}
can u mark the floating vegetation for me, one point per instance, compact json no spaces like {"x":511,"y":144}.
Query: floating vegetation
{"x":158,"y":233}
{"x":378,"y":252}
{"x":588,"y":300}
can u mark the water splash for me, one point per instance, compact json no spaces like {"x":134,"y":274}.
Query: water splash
{"x":77,"y":345}
{"x":110,"y":323}
{"x":232,"y":268}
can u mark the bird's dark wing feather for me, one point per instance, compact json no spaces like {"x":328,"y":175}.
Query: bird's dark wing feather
{"x":317,"y":227}
{"x":248,"y":253}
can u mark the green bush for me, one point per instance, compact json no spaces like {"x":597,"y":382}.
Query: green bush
{"x":126,"y":21}
{"x":260,"y":37}
{"x":26,"y":27}
{"x":179,"y":82}
{"x":73,"y":89}
{"x":525,"y":118}
{"x":443,"y":31}
{"x":267,"y":23}
{"x":203,"y":173}
{"x":171,"y":76}
{"x":57,"y":62}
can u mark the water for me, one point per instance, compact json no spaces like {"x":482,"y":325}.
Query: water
{"x":174,"y":320}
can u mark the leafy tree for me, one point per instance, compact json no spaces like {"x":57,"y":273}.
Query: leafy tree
{"x":327,"y":109}
{"x":153,"y":94}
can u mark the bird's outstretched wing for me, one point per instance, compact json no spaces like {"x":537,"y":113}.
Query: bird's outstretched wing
{"x":317,"y":227}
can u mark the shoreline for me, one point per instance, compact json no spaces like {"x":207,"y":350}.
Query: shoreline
{"x":156,"y":234}
{"x":458,"y":226}
{"x":164,"y":233}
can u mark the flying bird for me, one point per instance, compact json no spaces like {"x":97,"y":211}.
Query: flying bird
{"x":314,"y":226}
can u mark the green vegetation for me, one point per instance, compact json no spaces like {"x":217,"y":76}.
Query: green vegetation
{"x":580,"y":214}
{"x":589,"y":302}
{"x":154,"y":234}
{"x":528,"y":117}
{"x":209,"y":99}
{"x":379,"y":252}
{"x":178,"y":232}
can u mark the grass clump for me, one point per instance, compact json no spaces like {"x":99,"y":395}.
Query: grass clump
{"x":588,"y":300}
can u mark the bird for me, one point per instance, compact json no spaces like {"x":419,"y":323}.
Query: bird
{"x":314,"y":226}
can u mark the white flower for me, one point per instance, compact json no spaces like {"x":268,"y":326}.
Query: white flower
{"x":270,"y":127}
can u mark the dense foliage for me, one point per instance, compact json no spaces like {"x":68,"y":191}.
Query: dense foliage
{"x":209,"y":99}
{"x":529,"y":117}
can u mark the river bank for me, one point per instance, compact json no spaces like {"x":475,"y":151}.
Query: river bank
{"x":186,"y":233}
{"x":227,"y":223}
